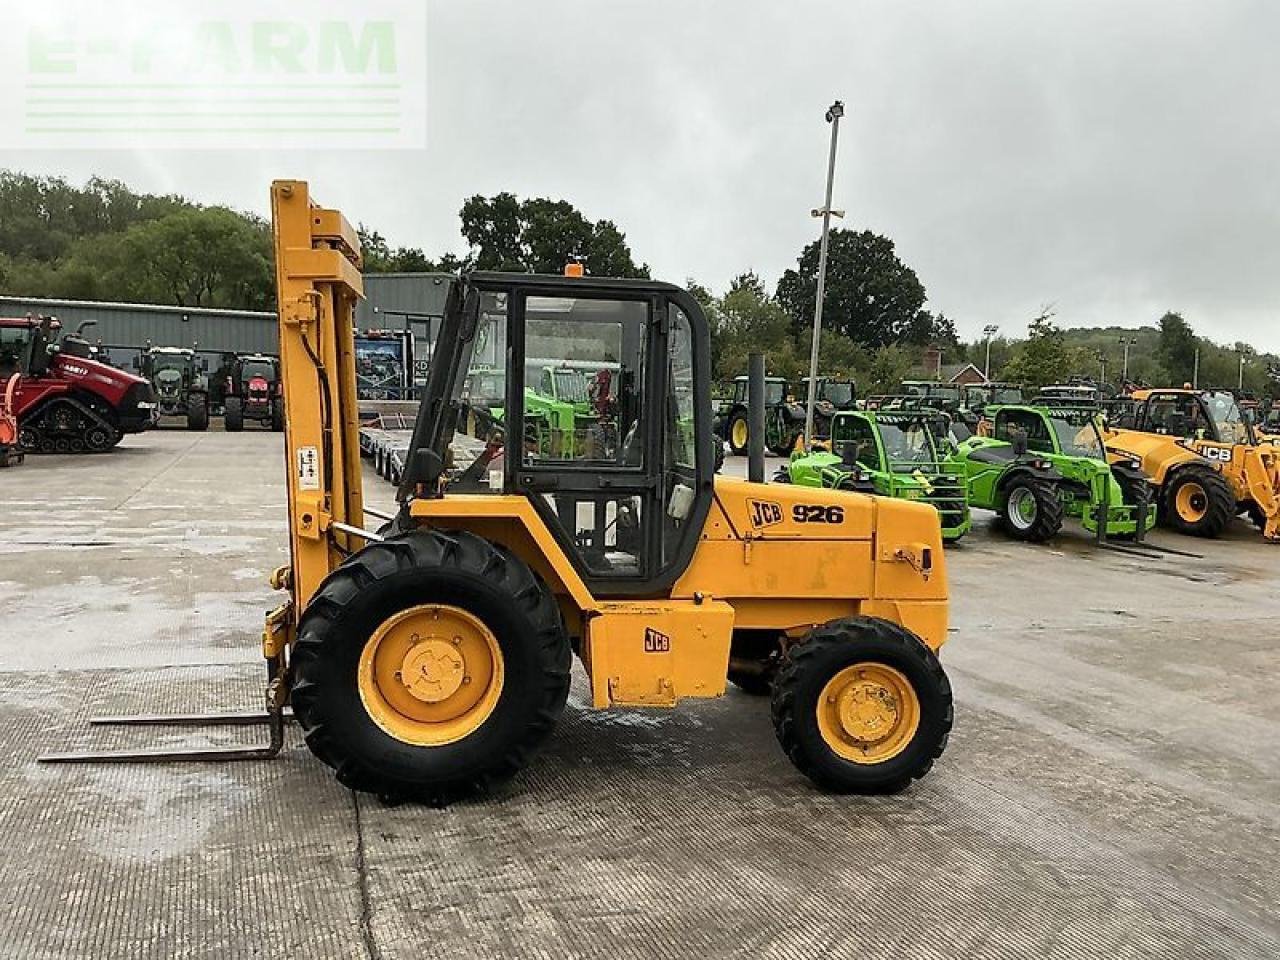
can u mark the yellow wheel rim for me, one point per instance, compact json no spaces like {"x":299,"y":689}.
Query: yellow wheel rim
{"x":431,"y":675}
{"x":868,"y":713}
{"x":1192,"y":502}
{"x":739,"y":433}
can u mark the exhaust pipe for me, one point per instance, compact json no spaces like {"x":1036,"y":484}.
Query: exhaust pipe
{"x":755,"y":418}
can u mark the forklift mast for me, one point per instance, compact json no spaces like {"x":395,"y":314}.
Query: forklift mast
{"x":318,"y":277}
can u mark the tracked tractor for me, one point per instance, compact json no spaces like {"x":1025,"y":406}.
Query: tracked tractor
{"x":177,"y":374}
{"x":1204,"y":456}
{"x":431,"y":658}
{"x":1045,"y":463}
{"x":889,"y":454}
{"x":67,"y":402}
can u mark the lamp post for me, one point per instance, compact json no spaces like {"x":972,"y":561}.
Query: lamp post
{"x":1244,"y":358}
{"x":990,"y":330}
{"x":834,"y":113}
{"x":1127,"y":342}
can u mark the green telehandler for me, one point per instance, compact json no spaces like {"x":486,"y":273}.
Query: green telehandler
{"x":1042,"y":464}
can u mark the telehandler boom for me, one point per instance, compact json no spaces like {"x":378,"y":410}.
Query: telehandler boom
{"x":431,"y":659}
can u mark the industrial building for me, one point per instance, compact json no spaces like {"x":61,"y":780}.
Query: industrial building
{"x":396,"y":303}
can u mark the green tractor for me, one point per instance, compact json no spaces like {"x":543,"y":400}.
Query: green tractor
{"x":181,"y":383}
{"x":1042,"y":464}
{"x":783,"y":417}
{"x":889,"y":454}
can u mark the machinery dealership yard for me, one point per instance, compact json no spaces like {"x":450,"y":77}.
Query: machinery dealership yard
{"x":1112,"y":786}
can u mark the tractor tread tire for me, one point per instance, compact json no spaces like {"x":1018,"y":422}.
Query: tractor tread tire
{"x":198,"y":415}
{"x":740,"y":451}
{"x":422,"y":567}
{"x":1221,"y":506}
{"x":233,"y":415}
{"x":806,"y":668}
{"x":1049,"y":510}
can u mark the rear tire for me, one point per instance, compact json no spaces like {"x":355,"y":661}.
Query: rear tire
{"x":277,"y":415}
{"x":1198,"y":502}
{"x":428,"y":570}
{"x":233,"y":415}
{"x":739,"y":430}
{"x":1030,"y":509}
{"x":860,"y":649}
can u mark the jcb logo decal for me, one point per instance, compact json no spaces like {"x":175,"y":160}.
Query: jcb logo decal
{"x":1221,"y":454}
{"x":765,"y":513}
{"x":655,"y":642}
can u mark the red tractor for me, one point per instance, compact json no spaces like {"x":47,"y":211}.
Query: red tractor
{"x":65,"y":401}
{"x":254,"y":393}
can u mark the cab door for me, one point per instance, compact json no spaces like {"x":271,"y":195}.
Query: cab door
{"x":612,"y":461}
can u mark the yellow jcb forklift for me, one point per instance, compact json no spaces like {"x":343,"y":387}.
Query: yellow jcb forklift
{"x":431,"y":658}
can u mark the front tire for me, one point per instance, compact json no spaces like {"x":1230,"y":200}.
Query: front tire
{"x":1030,"y":509}
{"x":198,"y":413}
{"x":1198,"y":502}
{"x":429,"y":666}
{"x":862,"y":706}
{"x":233,"y":415}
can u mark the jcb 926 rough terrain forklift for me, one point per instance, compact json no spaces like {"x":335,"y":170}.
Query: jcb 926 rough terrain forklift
{"x":431,"y":659}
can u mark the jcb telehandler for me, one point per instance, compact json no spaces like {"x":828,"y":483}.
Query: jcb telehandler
{"x":1204,"y":456}
{"x":432,"y":658}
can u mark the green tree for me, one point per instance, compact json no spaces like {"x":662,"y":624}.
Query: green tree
{"x":1177,"y":349}
{"x":872,"y":297}
{"x":206,"y":257}
{"x":541,"y":236}
{"x":1044,"y":357}
{"x":889,"y":366}
{"x":746,"y":320}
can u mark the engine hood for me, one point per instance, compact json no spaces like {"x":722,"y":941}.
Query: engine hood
{"x":82,"y":368}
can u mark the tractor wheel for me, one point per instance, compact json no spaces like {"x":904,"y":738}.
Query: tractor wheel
{"x":862,"y":706}
{"x":233,"y":415}
{"x":784,"y":448}
{"x":429,"y":666}
{"x":1198,"y":502}
{"x":198,"y":413}
{"x":1030,"y":509}
{"x":739,"y":434}
{"x":277,"y":415}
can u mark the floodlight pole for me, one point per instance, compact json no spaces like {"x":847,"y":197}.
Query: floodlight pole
{"x":834,"y":113}
{"x":990,"y":330}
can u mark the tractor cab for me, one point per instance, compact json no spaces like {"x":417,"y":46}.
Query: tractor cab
{"x":1189,"y":415}
{"x":945,"y":396}
{"x":25,"y":345}
{"x":626,"y":499}
{"x":1054,"y":430}
{"x":979,"y":396}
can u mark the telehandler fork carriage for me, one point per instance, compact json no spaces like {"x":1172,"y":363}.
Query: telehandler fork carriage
{"x":431,"y":658}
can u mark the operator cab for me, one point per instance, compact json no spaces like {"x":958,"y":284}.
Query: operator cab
{"x":624,"y":486}
{"x":1213,"y":415}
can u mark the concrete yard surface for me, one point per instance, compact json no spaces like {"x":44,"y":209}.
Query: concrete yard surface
{"x":1111,"y":789}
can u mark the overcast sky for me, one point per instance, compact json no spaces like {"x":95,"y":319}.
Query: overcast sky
{"x":1114,"y":158}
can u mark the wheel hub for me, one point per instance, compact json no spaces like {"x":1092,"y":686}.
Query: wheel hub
{"x":868,"y":711}
{"x":433,"y":670}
